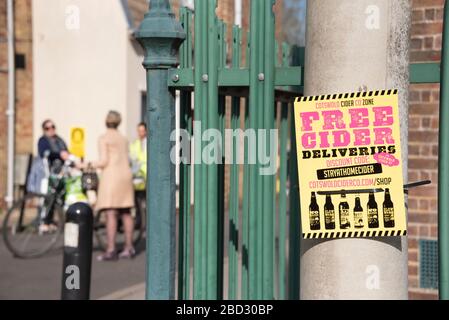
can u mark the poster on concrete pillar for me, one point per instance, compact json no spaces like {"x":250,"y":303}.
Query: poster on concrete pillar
{"x":349,"y":162}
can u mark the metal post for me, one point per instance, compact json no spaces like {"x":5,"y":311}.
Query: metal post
{"x":11,"y":103}
{"x":443,"y":185}
{"x":161,"y":36}
{"x":77,"y":261}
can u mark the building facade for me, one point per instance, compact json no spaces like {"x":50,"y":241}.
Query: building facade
{"x":426,"y":41}
{"x":76,"y":60}
{"x":86,"y":62}
{"x":24,"y":85}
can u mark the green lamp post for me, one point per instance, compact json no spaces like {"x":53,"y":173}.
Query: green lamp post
{"x":161,"y":35}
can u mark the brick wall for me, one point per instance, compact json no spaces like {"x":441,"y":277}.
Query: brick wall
{"x":24,"y":90}
{"x":24,"y":78}
{"x":427,"y":24}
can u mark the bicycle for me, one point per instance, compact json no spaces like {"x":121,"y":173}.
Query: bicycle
{"x":23,"y":231}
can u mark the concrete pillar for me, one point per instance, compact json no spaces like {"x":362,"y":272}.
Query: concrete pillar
{"x":352,"y":45}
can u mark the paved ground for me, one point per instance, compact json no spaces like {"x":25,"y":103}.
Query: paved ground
{"x":136,"y":292}
{"x":41,"y":278}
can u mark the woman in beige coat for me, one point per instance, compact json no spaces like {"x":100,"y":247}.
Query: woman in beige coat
{"x":115,"y":192}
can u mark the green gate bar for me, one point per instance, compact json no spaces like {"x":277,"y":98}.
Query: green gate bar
{"x":211,"y":81}
{"x":160,"y":35}
{"x":298,"y":57}
{"x":443,"y":186}
{"x":255,"y":255}
{"x":185,"y":169}
{"x":294,"y":221}
{"x":200,"y":180}
{"x":268,"y":179}
{"x":283,"y":183}
{"x":233,"y":245}
{"x":212,"y":168}
{"x":246,"y":193}
{"x":222,"y":54}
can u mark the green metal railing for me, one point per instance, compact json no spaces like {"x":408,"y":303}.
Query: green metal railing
{"x":256,"y":94}
{"x":252,"y":212}
{"x":258,"y":255}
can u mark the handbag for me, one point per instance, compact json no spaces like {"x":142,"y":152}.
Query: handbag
{"x":37,"y":181}
{"x":89,"y":180}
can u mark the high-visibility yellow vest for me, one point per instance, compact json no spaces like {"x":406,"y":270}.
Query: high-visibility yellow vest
{"x":138,"y":154}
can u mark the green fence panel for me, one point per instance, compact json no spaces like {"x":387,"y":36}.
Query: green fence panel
{"x":254,"y":265}
{"x":261,"y":83}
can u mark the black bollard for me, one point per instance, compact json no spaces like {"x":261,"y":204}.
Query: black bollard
{"x":77,"y":262}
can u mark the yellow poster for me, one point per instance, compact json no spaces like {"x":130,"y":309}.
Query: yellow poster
{"x":349,"y":162}
{"x":77,"y":142}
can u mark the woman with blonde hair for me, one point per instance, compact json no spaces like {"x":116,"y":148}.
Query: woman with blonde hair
{"x":115,"y":192}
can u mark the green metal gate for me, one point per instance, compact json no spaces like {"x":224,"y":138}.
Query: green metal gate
{"x":258,"y":255}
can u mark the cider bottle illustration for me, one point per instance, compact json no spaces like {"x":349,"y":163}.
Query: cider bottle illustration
{"x":388,"y":210}
{"x":343,"y":210}
{"x":329,"y":214}
{"x":314,"y":213}
{"x":373,"y":212}
{"x":358,"y":214}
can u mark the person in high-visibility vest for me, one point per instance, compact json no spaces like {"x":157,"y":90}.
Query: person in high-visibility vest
{"x":138,"y":154}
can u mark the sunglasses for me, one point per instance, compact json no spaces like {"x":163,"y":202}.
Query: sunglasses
{"x":50,"y":128}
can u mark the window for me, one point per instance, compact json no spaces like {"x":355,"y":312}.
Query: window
{"x":143,"y":107}
{"x":20,"y":61}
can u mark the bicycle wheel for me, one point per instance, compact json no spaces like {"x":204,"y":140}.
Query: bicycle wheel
{"x":21,"y":227}
{"x":101,"y":234}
